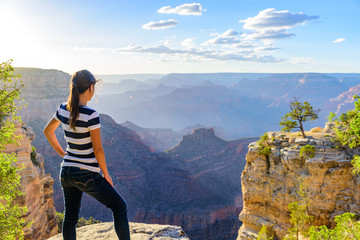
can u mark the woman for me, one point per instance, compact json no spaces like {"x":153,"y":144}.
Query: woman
{"x":84,"y":157}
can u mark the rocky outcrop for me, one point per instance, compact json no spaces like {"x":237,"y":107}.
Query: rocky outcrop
{"x":270,"y":184}
{"x":36,"y":186}
{"x":138,"y":231}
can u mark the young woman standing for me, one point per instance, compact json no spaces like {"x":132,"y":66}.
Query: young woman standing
{"x":84,"y":157}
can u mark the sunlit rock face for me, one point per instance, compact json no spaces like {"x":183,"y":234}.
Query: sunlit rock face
{"x":36,"y":186}
{"x":270,"y":184}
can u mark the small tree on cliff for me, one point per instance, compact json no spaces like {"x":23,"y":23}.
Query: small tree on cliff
{"x":11,"y":223}
{"x":300,"y":217}
{"x":300,"y":113}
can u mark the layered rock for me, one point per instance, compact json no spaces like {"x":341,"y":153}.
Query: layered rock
{"x":138,"y":231}
{"x":36,"y":186}
{"x":269,"y":184}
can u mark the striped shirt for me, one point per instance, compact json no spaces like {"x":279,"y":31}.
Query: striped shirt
{"x":79,"y":145}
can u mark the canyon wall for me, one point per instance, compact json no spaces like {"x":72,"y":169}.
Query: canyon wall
{"x":270,"y":184}
{"x":36,"y":186}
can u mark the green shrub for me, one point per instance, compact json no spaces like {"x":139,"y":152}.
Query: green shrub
{"x":11,"y":222}
{"x":82,"y":221}
{"x":264,"y":144}
{"x":347,"y":227}
{"x":33,"y":155}
{"x":307,"y":151}
{"x":264,"y":235}
{"x":347,"y":130}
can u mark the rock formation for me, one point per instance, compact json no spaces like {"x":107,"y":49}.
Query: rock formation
{"x":138,"y":231}
{"x":270,"y":184}
{"x":36,"y":186}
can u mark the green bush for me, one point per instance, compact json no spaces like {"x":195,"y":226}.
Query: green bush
{"x":11,"y":222}
{"x":307,"y":151}
{"x":347,"y":130}
{"x":82,"y":221}
{"x":264,"y":235}
{"x":347,"y":227}
{"x":264,"y":144}
{"x":33,"y":155}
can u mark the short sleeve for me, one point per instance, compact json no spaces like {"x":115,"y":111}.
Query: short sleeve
{"x":94,"y":121}
{"x":56,"y":114}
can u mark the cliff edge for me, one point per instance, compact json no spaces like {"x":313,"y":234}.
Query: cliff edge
{"x":270,"y":184}
{"x":138,"y":231}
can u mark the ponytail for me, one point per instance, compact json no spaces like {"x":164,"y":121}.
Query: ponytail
{"x":79,"y":83}
{"x":73,"y":105}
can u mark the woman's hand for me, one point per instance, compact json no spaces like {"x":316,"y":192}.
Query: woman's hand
{"x":109,"y":179}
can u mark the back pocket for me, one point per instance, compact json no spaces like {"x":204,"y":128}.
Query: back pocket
{"x":84,"y":182}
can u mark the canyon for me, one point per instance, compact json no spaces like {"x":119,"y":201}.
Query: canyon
{"x":195,"y":188}
{"x":194,"y":184}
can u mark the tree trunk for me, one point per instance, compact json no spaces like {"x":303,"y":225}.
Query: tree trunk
{"x":302,"y":129}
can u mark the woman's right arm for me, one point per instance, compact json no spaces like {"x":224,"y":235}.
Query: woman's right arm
{"x":49,"y":132}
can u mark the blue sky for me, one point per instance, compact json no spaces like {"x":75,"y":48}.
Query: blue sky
{"x":123,"y":37}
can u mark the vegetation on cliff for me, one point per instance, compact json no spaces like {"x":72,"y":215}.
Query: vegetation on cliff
{"x":81,"y":222}
{"x":11,"y":224}
{"x":348,"y":130}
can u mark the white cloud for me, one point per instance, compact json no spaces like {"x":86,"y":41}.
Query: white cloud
{"x":230,"y":33}
{"x":339,"y":40}
{"x":188,"y":43}
{"x":302,"y":60}
{"x":244,"y":44}
{"x":167,"y":42}
{"x":266,"y":48}
{"x":91,"y":49}
{"x":267,"y":35}
{"x":270,"y":19}
{"x":228,"y":37}
{"x":160,"y":25}
{"x":185,"y":9}
{"x":222,"y":40}
{"x":199,"y":54}
{"x":149,"y":49}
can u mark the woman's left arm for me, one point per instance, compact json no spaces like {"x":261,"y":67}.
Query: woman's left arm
{"x":49,"y":132}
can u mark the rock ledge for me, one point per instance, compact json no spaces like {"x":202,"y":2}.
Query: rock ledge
{"x":138,"y":231}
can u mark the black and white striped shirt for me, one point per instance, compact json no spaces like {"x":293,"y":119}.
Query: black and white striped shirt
{"x":79,"y":145}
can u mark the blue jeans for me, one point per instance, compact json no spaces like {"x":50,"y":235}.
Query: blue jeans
{"x":74,"y":182}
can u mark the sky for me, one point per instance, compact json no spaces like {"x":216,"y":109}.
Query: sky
{"x":158,"y":36}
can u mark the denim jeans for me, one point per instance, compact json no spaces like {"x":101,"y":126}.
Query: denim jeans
{"x":74,"y":182}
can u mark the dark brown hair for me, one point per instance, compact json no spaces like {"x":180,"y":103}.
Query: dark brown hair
{"x":79,"y":83}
